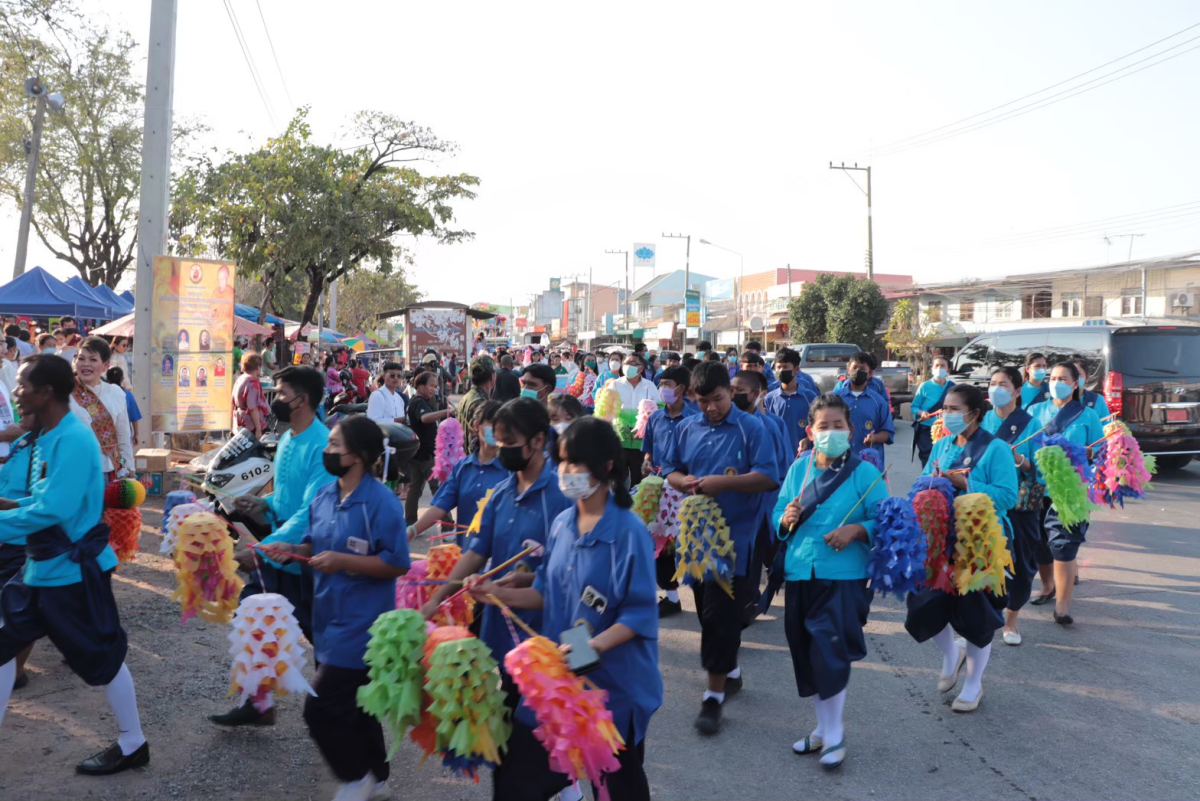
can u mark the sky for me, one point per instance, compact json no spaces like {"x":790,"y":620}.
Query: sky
{"x":592,"y":127}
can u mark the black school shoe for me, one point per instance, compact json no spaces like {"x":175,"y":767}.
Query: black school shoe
{"x":733,"y":686}
{"x":245,"y":715}
{"x":111,"y":760}
{"x":667,"y":607}
{"x":709,"y":719}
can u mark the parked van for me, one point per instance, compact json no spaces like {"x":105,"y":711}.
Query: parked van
{"x":1149,"y":375}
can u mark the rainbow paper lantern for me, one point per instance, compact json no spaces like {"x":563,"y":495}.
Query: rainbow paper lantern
{"x":440,"y":560}
{"x":124,"y":530}
{"x":124,"y":493}
{"x":665,"y":527}
{"x":935,"y":517}
{"x":266,"y":649}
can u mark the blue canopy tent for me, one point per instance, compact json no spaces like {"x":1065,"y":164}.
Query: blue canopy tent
{"x":127,"y":295}
{"x":251,"y":313}
{"x":79,"y":285}
{"x":39,"y":294}
{"x":118,"y":304}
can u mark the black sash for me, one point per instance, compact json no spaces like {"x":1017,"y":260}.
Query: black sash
{"x":53,"y":542}
{"x":1066,"y":415}
{"x":1012,"y":426}
{"x":937,"y":407}
{"x":1089,"y":398}
{"x":821,"y":488}
{"x":972,"y":452}
{"x":1043,"y":393}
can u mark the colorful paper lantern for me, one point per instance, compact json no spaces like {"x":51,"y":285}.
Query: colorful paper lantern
{"x":171,"y":525}
{"x":897,"y":560}
{"x":207,"y":581}
{"x":646,"y":407}
{"x":460,"y":611}
{"x":647,"y":498}
{"x":124,"y":530}
{"x":665,"y":527}
{"x":608,"y":404}
{"x":704,"y":550}
{"x":266,"y":649}
{"x":937,"y":430}
{"x":935,"y":517}
{"x":396,"y":686}
{"x":1064,"y":485}
{"x":1122,"y":470}
{"x":448,"y":449}
{"x":981,"y":553}
{"x":124,"y":493}
{"x":468,"y":706}
{"x":411,"y":590}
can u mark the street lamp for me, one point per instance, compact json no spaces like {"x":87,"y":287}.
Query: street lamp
{"x":737,"y":295}
{"x":36,"y":91}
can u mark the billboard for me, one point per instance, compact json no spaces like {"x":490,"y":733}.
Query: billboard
{"x":644,"y":253}
{"x":443,"y":330}
{"x":719,"y":289}
{"x":692,"y":305}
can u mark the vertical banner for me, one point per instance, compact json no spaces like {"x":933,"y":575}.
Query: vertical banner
{"x":692,"y":297}
{"x":643,"y":254}
{"x":191,"y":350}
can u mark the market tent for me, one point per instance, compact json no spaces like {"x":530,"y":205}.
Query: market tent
{"x":127,"y":295}
{"x":124,"y":328}
{"x":327,"y":335}
{"x":37,"y":293}
{"x":117,"y":303}
{"x":81,"y":286}
{"x":251,"y":313}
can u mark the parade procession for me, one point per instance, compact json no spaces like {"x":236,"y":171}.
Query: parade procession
{"x":338,"y":462}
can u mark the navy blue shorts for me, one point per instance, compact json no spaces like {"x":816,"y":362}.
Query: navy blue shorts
{"x":1062,"y":541}
{"x":66,"y":615}
{"x":823,"y":620}
{"x":12,"y":561}
{"x":974,"y":616}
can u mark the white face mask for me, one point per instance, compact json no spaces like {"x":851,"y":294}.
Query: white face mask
{"x":560,"y":428}
{"x":615,"y":366}
{"x":577,"y":486}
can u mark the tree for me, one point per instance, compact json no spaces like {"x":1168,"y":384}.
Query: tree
{"x":838,"y":308}
{"x":913,"y":337}
{"x":294,"y":210}
{"x":89,"y":175}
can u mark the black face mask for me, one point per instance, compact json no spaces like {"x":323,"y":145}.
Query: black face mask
{"x":786,"y":376}
{"x":513,"y":458}
{"x":282,"y":410}
{"x":333,"y":464}
{"x":741,"y":400}
{"x":859,"y":378}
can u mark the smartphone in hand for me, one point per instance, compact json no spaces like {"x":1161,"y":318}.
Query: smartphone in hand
{"x":582,"y":658}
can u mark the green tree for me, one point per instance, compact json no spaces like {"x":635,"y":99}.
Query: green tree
{"x":838,"y":308}
{"x":913,"y":337}
{"x":295,"y":210}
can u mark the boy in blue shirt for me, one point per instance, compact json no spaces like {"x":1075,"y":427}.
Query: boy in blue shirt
{"x":65,"y":591}
{"x":727,"y":454}
{"x":863,"y":361}
{"x":870,"y":413}
{"x":791,"y":399}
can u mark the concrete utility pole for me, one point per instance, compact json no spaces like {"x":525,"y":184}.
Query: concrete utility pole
{"x":333,"y":287}
{"x":870,"y":242}
{"x":156,"y":185}
{"x":35,"y":147}
{"x":626,"y":253}
{"x":1129,"y":258}
{"x":687,"y":278}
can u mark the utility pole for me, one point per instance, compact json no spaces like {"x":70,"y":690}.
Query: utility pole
{"x":1129,"y":259}
{"x":35,"y":147}
{"x":626,"y":253}
{"x":870,"y":242}
{"x":333,"y":287}
{"x":687,"y":278}
{"x":156,"y":187}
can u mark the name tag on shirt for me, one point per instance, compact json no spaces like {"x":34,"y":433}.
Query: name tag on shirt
{"x":358,"y":546}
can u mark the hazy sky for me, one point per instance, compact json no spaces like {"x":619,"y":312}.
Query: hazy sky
{"x":596,"y":126}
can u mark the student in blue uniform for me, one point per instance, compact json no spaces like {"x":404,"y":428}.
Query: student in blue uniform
{"x":791,"y":399}
{"x":597,"y":572}
{"x":863,"y":361}
{"x":1093,"y":400}
{"x":870,"y":413}
{"x":470,"y":479}
{"x":299,"y":475}
{"x":1009,"y":423}
{"x":518,"y":515}
{"x":1035,"y":389}
{"x":1063,"y":414}
{"x":16,"y":477}
{"x":356,"y":531}
{"x":65,"y":589}
{"x":827,"y":534}
{"x":660,"y":433}
{"x":974,"y":461}
{"x":756,"y":347}
{"x":724,"y":453}
{"x":926,"y":404}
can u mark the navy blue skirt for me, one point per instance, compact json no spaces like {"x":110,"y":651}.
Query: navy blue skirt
{"x":1027,"y":535}
{"x":823,"y":620}
{"x":975,"y":616}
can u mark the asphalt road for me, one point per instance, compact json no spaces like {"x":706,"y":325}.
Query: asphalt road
{"x":1108,"y":709}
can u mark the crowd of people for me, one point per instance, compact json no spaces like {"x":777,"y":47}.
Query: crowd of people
{"x":795,"y":474}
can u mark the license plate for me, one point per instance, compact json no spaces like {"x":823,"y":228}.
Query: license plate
{"x":1177,"y":415}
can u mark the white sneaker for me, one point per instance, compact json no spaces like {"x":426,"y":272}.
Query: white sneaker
{"x":356,"y":791}
{"x":380,"y":792}
{"x":572,"y":793}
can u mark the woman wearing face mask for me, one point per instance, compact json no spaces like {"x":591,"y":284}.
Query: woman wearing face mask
{"x":826,"y":534}
{"x":1035,"y":389}
{"x":1063,"y":414}
{"x":564,"y":410}
{"x":611,"y":373}
{"x":926,"y":404}
{"x":469,"y":481}
{"x":598,"y":571}
{"x":973,"y":461}
{"x":355,"y":531}
{"x":518,"y":515}
{"x":1009,"y":423}
{"x":633,"y":387}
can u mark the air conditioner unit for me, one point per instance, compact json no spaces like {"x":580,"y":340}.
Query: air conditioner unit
{"x":1183,"y":300}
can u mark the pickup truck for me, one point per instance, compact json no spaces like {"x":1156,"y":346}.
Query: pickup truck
{"x":825,"y":363}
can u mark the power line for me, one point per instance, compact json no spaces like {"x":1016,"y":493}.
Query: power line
{"x":237,"y":32}
{"x":278,"y":68}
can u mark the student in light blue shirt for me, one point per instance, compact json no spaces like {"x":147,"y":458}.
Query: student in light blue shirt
{"x":825,"y":516}
{"x":597,"y":573}
{"x":870,"y":414}
{"x":726,"y":454}
{"x":974,"y":462}
{"x":1035,"y":388}
{"x":65,"y":592}
{"x":1093,"y":400}
{"x":926,"y":404}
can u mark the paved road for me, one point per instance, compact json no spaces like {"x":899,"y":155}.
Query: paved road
{"x":1109,"y":709}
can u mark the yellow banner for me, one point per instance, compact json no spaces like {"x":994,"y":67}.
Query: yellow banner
{"x":191,"y":352}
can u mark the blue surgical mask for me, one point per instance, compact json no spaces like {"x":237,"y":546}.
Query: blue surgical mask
{"x":489,"y":436}
{"x":1038,"y":374}
{"x":832,"y":443}
{"x":1061,"y":389}
{"x":529,"y":393}
{"x":955,"y":423}
{"x":999,"y":396}
{"x":940,"y":373}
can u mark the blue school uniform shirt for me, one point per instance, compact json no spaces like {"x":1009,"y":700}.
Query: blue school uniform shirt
{"x":928,"y":394}
{"x":616,"y":559}
{"x":792,"y":408}
{"x":299,"y":474}
{"x":1085,"y":429}
{"x":805,"y":381}
{"x":67,"y":491}
{"x":808,"y":554}
{"x":131,"y":407}
{"x":690,"y":406}
{"x":345,"y":605}
{"x":869,"y":414}
{"x":995,"y":474}
{"x":469,"y":481}
{"x":660,"y":430}
{"x":875,"y":385}
{"x":776,"y":429}
{"x":509,"y":519}
{"x":735,"y":446}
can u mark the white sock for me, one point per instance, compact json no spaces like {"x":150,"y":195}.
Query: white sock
{"x":123,"y":700}
{"x":571,"y":793}
{"x":829,"y":718}
{"x":8,"y":675}
{"x":710,"y":694}
{"x":673,"y":596}
{"x":977,"y":659}
{"x":736,"y":673}
{"x":945,"y":641}
{"x":817,"y":710}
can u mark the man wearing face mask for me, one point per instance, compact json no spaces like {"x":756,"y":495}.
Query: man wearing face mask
{"x":633,"y":387}
{"x":299,"y":474}
{"x":790,"y":401}
{"x":867,"y":362}
{"x":423,"y":419}
{"x":870,"y":414}
{"x":537,"y":382}
{"x":926,"y":406}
